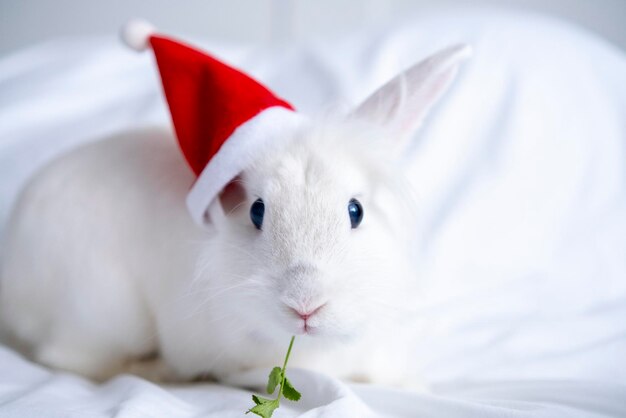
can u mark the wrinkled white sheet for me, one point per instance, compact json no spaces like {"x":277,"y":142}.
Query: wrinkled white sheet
{"x":521,"y":178}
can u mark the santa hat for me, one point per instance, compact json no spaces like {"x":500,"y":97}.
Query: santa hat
{"x":221,"y":116}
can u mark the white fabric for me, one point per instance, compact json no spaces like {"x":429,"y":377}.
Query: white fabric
{"x":521,"y":174}
{"x":136,"y":34}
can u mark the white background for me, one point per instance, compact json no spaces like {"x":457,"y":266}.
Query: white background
{"x":24,"y":22}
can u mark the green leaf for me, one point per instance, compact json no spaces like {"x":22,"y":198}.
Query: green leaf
{"x":264,"y":407}
{"x":290,"y":392}
{"x":274,"y":379}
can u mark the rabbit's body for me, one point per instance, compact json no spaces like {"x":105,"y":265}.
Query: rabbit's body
{"x":103,"y":265}
{"x":83,"y":291}
{"x":115,"y":273}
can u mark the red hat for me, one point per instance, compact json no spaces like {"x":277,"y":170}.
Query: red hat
{"x":221,"y":116}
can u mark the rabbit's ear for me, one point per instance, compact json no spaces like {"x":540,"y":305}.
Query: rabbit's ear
{"x":402,"y":103}
{"x":229,"y":200}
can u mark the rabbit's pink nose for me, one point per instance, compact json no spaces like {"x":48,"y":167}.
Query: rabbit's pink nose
{"x":307,"y":314}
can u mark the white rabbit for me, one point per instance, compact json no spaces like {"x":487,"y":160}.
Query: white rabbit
{"x":103,"y":264}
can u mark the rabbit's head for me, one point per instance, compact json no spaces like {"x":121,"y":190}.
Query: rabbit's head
{"x":314,"y":238}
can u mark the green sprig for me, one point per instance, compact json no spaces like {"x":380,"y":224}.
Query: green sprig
{"x":265,"y":407}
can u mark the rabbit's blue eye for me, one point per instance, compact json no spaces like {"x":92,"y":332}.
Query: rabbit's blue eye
{"x":256,"y":213}
{"x":355,"y":210}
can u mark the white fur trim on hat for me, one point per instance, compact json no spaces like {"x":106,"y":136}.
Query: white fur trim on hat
{"x":136,"y":34}
{"x":237,"y":153}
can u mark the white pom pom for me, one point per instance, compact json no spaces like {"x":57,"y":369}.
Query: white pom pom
{"x":136,"y":34}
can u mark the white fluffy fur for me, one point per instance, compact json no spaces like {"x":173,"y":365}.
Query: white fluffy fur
{"x":239,"y":151}
{"x":103,"y":264}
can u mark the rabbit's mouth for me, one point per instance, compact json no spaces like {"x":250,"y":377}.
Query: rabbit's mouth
{"x":309,"y":329}
{"x":307,"y":320}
